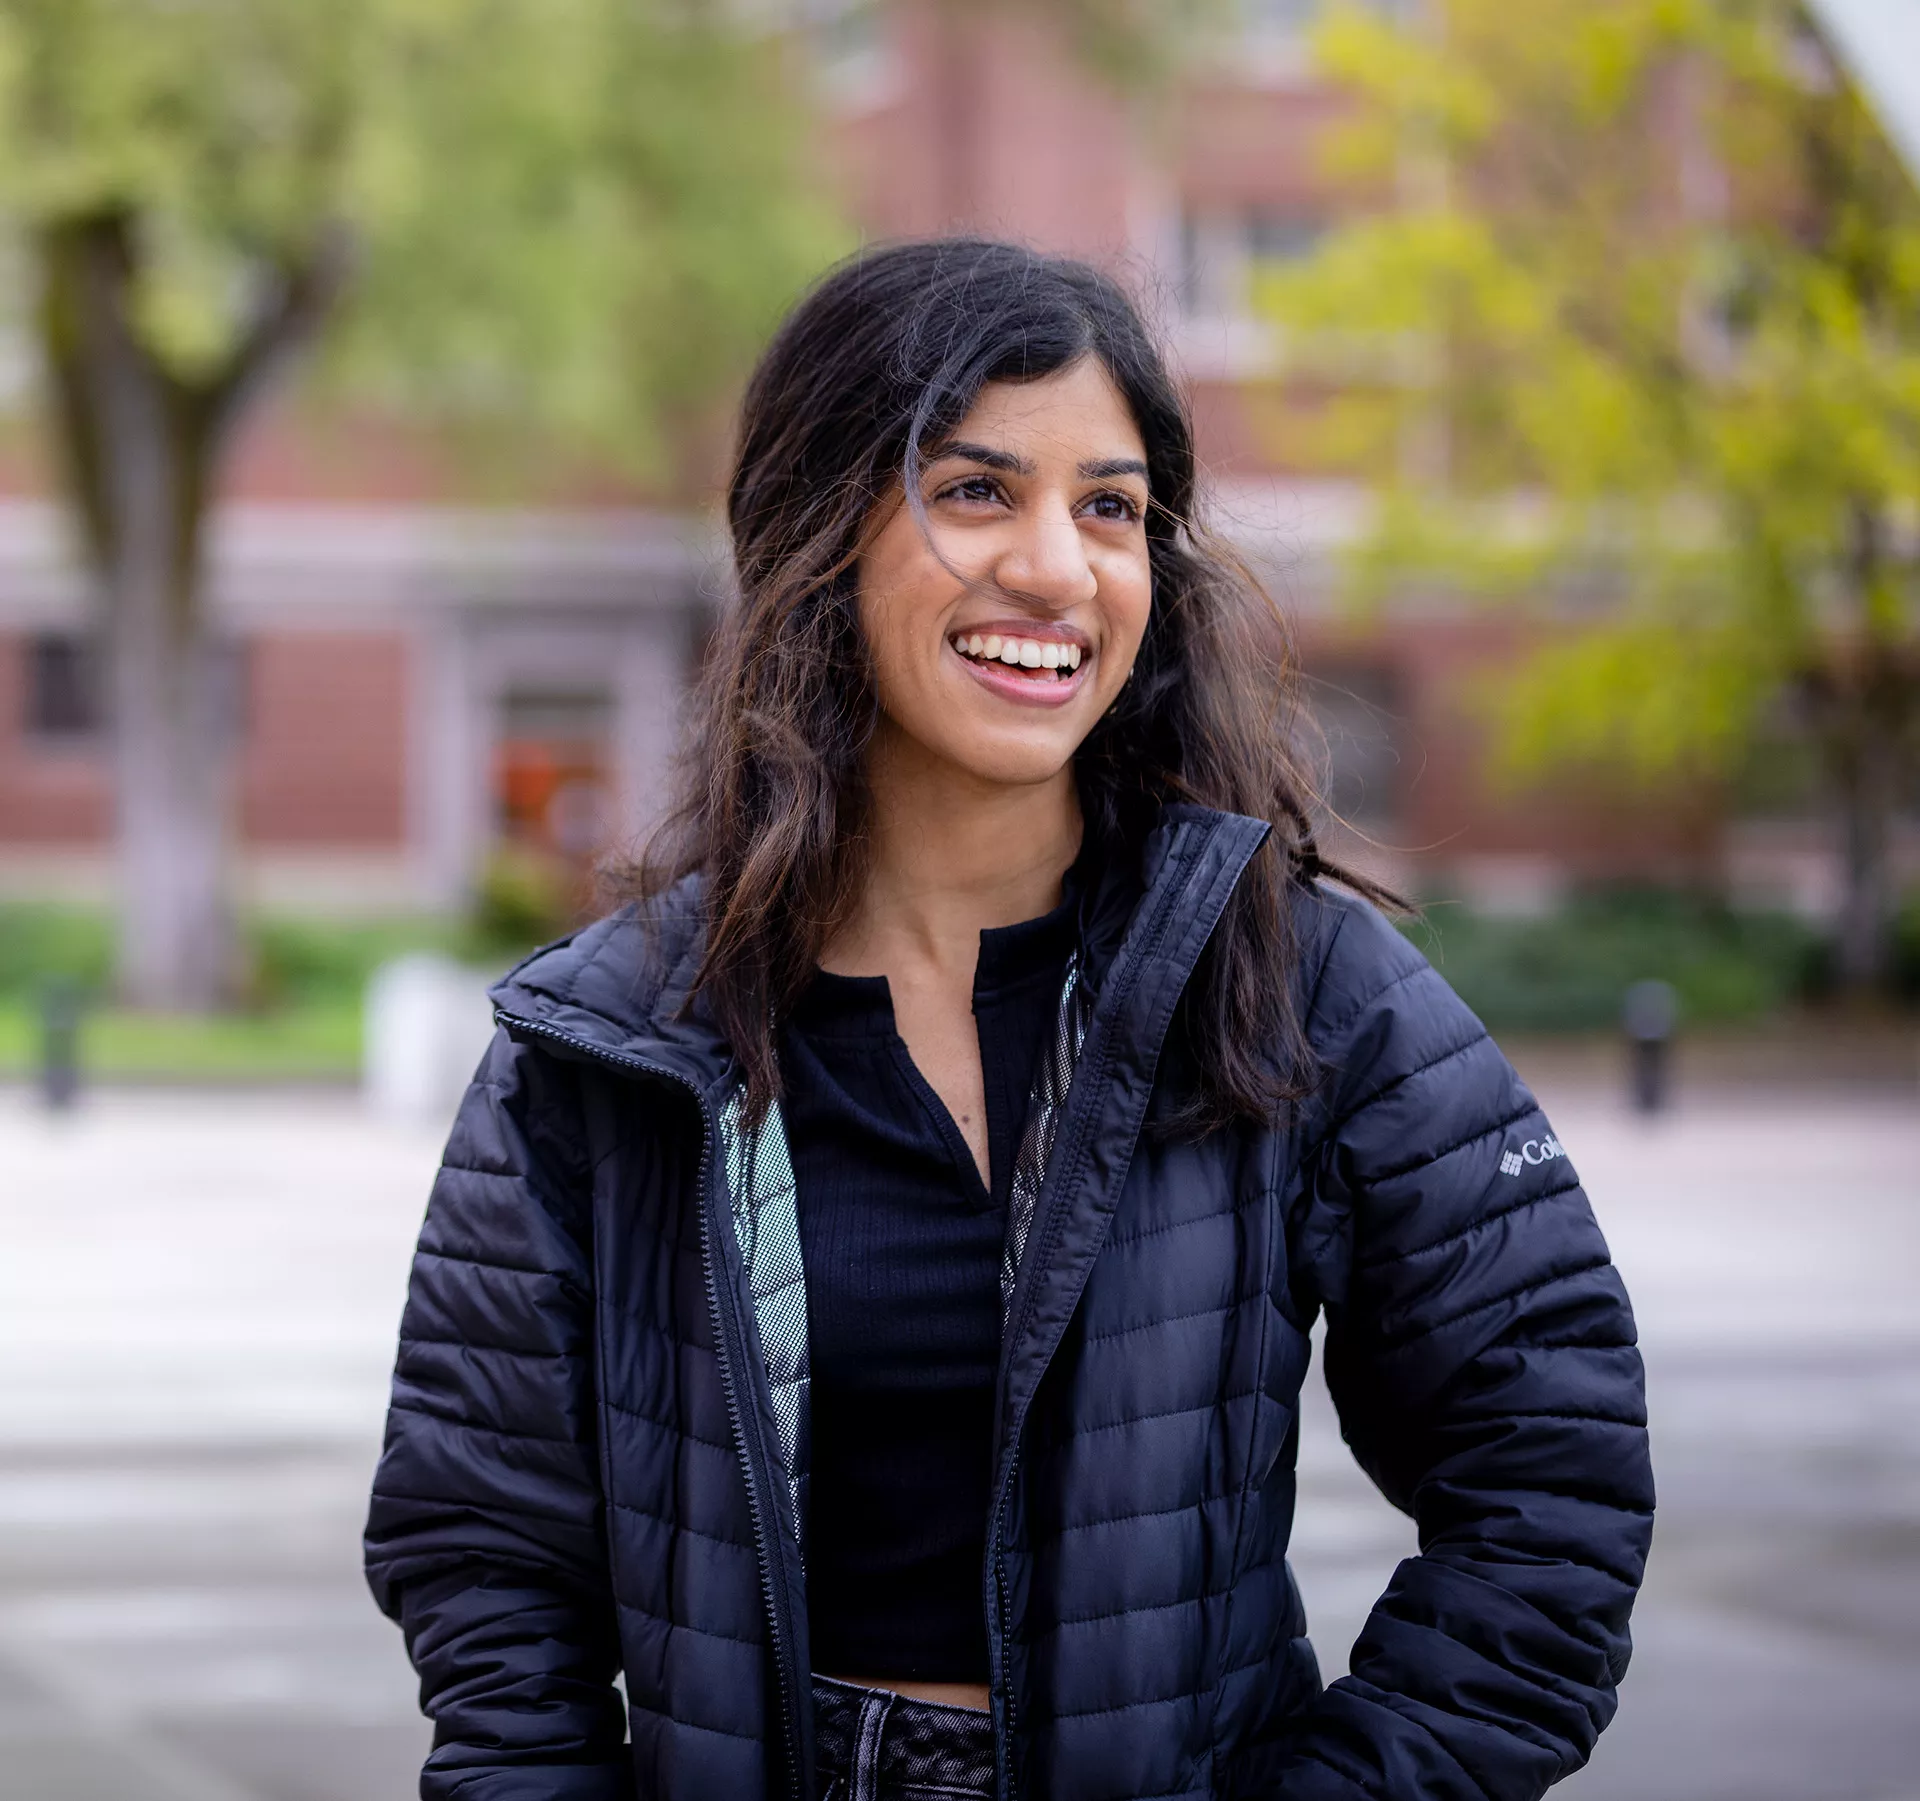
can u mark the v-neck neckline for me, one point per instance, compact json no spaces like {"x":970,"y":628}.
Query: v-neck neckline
{"x":1008,"y":958}
{"x":980,"y":1190}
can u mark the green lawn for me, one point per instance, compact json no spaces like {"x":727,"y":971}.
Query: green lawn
{"x":313,"y":1041}
{"x":306,"y":979}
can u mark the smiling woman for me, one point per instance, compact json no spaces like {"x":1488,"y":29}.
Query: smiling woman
{"x":1020,"y":573}
{"x":959,"y":439}
{"x":867,"y":1297}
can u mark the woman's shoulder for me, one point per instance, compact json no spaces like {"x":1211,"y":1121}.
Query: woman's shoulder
{"x":1380,"y":1019}
{"x":1353,"y":960}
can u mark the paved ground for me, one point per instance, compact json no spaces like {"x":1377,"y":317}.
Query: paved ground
{"x":197,"y":1301}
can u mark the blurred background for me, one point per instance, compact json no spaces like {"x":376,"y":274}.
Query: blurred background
{"x":365,"y":374}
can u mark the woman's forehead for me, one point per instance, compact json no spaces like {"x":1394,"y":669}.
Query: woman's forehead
{"x":1077,"y":411}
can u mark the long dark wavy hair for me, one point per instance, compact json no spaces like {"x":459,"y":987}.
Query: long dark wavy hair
{"x":883,"y":358}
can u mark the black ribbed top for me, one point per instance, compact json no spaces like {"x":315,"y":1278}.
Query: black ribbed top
{"x":902,"y":1246}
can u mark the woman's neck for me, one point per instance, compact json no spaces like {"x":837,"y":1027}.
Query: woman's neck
{"x":949,"y":856}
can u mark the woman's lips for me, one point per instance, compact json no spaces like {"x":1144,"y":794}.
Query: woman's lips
{"x":1026,"y":687}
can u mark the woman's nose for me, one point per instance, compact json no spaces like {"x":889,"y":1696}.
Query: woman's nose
{"x":1048,"y":560}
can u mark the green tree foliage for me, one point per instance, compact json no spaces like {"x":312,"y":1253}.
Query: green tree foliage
{"x":1636,"y":331}
{"x":568,"y":217}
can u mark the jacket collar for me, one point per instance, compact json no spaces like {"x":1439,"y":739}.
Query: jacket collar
{"x":616,"y":990}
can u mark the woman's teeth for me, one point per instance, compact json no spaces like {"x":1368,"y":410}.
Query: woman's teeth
{"x":1022,"y":653}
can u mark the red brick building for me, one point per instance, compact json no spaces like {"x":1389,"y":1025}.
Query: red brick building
{"x":413,"y":680}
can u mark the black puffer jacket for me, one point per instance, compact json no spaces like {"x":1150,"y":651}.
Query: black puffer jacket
{"x":580,"y":1478}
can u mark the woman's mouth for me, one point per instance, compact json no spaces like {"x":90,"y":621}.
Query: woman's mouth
{"x":1035,"y":672}
{"x":1036,"y":659}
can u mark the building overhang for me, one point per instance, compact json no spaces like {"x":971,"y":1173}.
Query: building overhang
{"x":312,"y":566}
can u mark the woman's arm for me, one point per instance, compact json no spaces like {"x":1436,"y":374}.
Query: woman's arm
{"x":485,"y":1537}
{"x":1480,"y":1350}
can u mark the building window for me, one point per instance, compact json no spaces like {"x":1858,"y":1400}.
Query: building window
{"x":1280,"y":18}
{"x":1282,"y":237}
{"x":1222,"y":251}
{"x":66,"y":688}
{"x":854,"y":60}
{"x":1357,"y":709}
{"x":1283,"y":19}
{"x":553,"y":771}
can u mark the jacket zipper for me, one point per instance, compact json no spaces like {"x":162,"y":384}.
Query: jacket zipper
{"x":763,"y":1552}
{"x":1001,"y":1675}
{"x":1071,"y":1154}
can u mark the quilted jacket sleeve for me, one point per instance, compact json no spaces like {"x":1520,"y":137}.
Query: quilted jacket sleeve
{"x":485,"y":1536}
{"x":1480,"y":1350}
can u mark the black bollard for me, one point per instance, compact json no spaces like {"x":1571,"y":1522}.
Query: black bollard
{"x":1649,"y":1013}
{"x":60,"y":1045}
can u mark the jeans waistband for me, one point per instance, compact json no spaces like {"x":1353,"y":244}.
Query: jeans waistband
{"x":878,"y":1746}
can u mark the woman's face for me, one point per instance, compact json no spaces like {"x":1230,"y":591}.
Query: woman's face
{"x":1000,"y":635}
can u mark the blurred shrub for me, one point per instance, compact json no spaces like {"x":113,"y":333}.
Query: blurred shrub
{"x":291,"y":962}
{"x":1906,"y":948}
{"x":297,"y":962}
{"x":523,"y":900}
{"x":40,"y":943}
{"x":1567,"y":971}
{"x":300,"y":1021}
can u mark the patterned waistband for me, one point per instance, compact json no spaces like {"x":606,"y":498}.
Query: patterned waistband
{"x":877,"y":1746}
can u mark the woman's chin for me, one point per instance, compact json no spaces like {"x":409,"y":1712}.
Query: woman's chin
{"x":1015,"y":765}
{"x":986,"y":752}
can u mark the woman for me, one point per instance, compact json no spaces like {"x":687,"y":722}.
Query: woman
{"x":865,"y":1302}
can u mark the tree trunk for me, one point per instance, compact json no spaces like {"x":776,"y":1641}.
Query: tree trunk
{"x":178,"y":947}
{"x":142,"y":447}
{"x":138,"y":445}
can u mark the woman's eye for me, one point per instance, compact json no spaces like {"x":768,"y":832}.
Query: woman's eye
{"x":974,"y":487}
{"x":1122,"y":508}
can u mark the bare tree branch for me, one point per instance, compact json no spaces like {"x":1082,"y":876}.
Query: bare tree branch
{"x":291,"y":314}
{"x":86,"y":263}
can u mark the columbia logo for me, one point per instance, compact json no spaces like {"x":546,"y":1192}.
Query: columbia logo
{"x":1535,"y":1150}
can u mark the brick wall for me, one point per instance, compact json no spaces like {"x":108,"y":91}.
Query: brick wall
{"x":53,"y":795}
{"x":1446,"y":808}
{"x":326,"y":740}
{"x":322,"y":763}
{"x":991,"y":124}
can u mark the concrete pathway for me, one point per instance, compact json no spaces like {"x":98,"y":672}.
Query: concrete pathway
{"x":198,"y":1297}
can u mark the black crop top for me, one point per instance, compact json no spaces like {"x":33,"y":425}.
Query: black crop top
{"x":902,"y":1248}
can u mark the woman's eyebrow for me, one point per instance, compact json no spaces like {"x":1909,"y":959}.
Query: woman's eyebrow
{"x":985,"y":455}
{"x":1006,"y":463}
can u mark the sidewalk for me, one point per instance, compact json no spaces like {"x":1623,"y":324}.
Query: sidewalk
{"x":198,"y":1296}
{"x":198,"y":1299}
